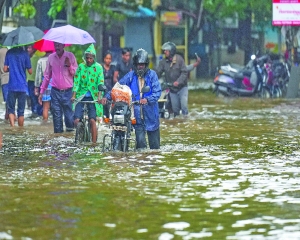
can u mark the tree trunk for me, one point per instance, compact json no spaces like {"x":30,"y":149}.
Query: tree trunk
{"x":69,"y":11}
{"x":193,"y":34}
{"x":245,"y":36}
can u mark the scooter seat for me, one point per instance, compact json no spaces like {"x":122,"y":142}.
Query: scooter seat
{"x":247,"y":73}
{"x":239,"y":76}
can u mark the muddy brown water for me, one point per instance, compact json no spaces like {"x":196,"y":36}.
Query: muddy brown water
{"x":229,"y":171}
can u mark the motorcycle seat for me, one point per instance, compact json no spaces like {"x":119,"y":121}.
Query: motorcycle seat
{"x":239,"y":76}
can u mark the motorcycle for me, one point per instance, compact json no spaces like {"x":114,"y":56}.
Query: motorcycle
{"x":120,"y":122}
{"x":164,"y":104}
{"x":246,"y":82}
{"x":281,"y":75}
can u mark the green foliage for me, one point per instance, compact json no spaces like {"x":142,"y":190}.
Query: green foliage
{"x":78,"y":51}
{"x":215,"y":9}
{"x":26,"y":9}
{"x":227,"y":8}
{"x":56,"y":7}
{"x":81,"y":15}
{"x":82,"y":11}
{"x":261,"y":11}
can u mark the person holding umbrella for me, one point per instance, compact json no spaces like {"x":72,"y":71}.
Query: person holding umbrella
{"x":16,"y":62}
{"x":61,"y":67}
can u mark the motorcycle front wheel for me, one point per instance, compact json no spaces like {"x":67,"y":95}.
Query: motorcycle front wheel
{"x":125,"y":145}
{"x":107,"y":143}
{"x":126,"y":139}
{"x":116,"y":141}
{"x":166,"y":114}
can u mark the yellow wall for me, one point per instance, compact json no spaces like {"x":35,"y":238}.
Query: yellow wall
{"x":158,"y":36}
{"x":122,"y":41}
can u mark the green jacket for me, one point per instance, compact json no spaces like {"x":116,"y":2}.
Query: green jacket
{"x":34,"y":59}
{"x":87,"y":79}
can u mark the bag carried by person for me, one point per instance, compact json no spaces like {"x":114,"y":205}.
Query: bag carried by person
{"x":121,"y":93}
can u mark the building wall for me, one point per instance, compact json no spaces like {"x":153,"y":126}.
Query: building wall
{"x":138,"y":34}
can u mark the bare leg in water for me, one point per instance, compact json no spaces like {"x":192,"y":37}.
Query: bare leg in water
{"x":46,"y":107}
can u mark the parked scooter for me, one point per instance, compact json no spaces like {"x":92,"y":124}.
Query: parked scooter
{"x":281,"y":75}
{"x":247,"y":82}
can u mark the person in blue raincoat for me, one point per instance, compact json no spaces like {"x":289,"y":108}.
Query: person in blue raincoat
{"x":147,"y":118}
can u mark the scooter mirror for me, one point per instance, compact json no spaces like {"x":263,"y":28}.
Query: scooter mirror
{"x":253,"y":57}
{"x":145,"y":89}
{"x":102,"y":88}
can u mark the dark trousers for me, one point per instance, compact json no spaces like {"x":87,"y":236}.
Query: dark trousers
{"x":12,"y":99}
{"x":35,"y":106}
{"x":61,"y":106}
{"x":153,"y":138}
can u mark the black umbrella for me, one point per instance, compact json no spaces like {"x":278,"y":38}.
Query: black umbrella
{"x":23,"y":36}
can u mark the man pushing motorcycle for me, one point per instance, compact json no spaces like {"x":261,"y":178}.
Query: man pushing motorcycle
{"x":147,"y":112}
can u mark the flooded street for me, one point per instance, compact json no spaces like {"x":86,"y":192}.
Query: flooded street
{"x":230,"y":171}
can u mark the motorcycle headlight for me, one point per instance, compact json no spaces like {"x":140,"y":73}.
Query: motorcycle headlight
{"x":119,"y":119}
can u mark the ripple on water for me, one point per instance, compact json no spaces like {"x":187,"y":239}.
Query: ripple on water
{"x":176,"y":225}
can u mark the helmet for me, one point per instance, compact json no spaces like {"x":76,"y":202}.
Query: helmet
{"x":140,"y":56}
{"x":170,"y":46}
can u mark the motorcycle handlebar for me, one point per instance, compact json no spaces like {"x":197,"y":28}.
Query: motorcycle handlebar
{"x":166,"y":85}
{"x":263,"y":58}
{"x":132,"y":103}
{"x":135,"y":103}
{"x":78,"y":101}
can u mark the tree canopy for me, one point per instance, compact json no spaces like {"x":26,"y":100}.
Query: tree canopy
{"x":78,"y":12}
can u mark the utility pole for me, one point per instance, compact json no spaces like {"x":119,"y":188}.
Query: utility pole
{"x":69,"y":11}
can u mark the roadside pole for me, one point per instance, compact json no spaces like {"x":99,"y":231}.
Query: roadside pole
{"x":293,"y":86}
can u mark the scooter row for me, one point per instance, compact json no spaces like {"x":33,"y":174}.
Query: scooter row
{"x":261,"y":77}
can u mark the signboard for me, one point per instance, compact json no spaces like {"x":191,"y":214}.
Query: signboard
{"x":171,"y":18}
{"x":286,"y":13}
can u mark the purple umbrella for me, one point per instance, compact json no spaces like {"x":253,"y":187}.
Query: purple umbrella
{"x":69,"y":35}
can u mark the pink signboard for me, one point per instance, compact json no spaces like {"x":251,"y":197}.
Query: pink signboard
{"x":286,"y":13}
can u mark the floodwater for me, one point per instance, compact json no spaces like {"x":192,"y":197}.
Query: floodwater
{"x":230,"y":171}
